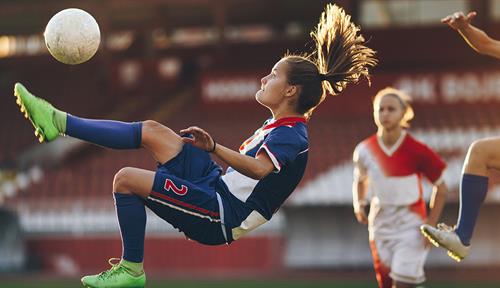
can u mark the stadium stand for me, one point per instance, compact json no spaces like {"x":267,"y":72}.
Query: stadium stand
{"x":70,"y":213}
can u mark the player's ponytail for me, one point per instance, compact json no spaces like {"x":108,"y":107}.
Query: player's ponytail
{"x":340,"y":58}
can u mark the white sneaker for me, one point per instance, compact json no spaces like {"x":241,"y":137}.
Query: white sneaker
{"x":446,"y":237}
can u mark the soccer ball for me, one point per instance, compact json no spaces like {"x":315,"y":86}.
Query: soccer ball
{"x":72,"y":36}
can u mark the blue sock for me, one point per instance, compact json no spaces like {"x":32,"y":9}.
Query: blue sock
{"x":107,"y":133}
{"x":132,"y":218}
{"x":472,"y":193}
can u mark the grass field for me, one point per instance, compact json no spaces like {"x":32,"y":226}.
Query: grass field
{"x":25,"y":283}
{"x":478,"y":277}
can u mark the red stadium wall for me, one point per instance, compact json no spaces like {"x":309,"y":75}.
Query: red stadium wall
{"x":163,"y":255}
{"x":432,"y":88}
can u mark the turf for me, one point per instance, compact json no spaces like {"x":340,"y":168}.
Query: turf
{"x":26,"y":283}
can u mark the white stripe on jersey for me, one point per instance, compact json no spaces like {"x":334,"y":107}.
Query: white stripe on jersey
{"x":184,"y":210}
{"x":257,"y":139}
{"x":276,"y":164}
{"x":239,"y":185}
{"x":391,"y":190}
{"x":401,"y":190}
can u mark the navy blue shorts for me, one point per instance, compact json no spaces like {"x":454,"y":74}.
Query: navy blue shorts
{"x":184,"y":194}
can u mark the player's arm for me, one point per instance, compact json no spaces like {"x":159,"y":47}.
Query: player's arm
{"x":475,"y":37}
{"x":255,"y":168}
{"x":359,"y":188}
{"x":438,"y":199}
{"x":359,"y":201}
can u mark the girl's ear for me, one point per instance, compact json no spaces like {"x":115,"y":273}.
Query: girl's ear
{"x":291,"y":90}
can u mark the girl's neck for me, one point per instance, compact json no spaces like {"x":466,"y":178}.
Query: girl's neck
{"x":389,"y":137}
{"x":285,"y":114}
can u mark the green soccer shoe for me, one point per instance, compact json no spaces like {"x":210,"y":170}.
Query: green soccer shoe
{"x":117,"y":276}
{"x":39,"y":112}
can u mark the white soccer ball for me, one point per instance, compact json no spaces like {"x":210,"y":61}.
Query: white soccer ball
{"x":72,"y":36}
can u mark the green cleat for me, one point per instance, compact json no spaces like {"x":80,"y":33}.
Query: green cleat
{"x":117,"y":276}
{"x":39,"y":112}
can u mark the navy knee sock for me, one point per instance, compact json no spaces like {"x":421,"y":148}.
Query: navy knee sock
{"x":473,"y":190}
{"x":132,"y":218}
{"x":107,"y":133}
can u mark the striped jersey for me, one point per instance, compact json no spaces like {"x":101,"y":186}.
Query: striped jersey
{"x":395,"y":180}
{"x":253,"y":202}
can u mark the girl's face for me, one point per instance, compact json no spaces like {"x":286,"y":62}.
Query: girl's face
{"x":388,"y":113}
{"x":274,"y":87}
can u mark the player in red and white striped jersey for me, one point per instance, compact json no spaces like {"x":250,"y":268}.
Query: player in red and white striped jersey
{"x":389,"y":167}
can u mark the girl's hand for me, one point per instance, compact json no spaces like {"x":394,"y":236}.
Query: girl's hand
{"x":458,"y":20}
{"x":360,"y":214}
{"x":201,"y":139}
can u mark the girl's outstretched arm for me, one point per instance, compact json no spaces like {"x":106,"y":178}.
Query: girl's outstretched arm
{"x":255,"y":168}
{"x":475,"y":37}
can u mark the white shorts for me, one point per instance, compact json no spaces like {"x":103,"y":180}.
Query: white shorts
{"x":404,"y":255}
